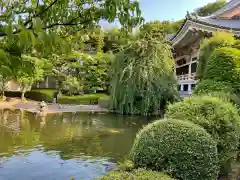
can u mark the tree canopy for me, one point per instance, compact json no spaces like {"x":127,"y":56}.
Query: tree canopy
{"x":49,"y":28}
{"x":211,"y":8}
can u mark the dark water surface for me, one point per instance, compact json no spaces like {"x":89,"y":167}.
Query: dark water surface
{"x":63,"y":146}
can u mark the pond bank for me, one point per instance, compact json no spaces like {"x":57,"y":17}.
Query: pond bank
{"x":32,"y":106}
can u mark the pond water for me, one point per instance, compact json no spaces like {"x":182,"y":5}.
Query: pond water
{"x":63,"y":146}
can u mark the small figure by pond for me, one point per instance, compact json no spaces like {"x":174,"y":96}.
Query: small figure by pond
{"x":55,"y":99}
{"x":42,"y":109}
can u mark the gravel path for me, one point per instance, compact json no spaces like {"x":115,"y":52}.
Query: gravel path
{"x":33,"y":106}
{"x":55,"y":108}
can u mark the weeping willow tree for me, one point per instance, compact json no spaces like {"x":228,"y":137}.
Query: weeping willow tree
{"x":143,"y":80}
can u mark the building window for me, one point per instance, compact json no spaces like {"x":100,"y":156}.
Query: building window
{"x":182,"y":70}
{"x":185,"y":87}
{"x":193,"y":67}
{"x":181,"y":62}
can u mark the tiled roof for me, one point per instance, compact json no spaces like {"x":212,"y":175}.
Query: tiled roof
{"x":230,"y":24}
{"x":221,"y":23}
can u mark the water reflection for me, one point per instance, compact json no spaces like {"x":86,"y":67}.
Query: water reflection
{"x":64,"y":138}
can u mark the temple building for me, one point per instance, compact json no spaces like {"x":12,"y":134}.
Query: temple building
{"x":186,"y":42}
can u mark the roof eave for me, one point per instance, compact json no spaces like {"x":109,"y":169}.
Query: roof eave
{"x":198,"y":25}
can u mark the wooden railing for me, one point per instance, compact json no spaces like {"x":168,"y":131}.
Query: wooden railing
{"x":191,"y":76}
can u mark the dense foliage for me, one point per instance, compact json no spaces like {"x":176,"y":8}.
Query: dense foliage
{"x":41,"y":95}
{"x":143,"y":80}
{"x":138,"y":174}
{"x":220,"y":118}
{"x":183,"y":149}
{"x":159,"y":28}
{"x":224,"y":66}
{"x":81,"y":99}
{"x":71,"y":86}
{"x":36,"y":29}
{"x":211,"y":8}
{"x":208,"y":85}
{"x":219,"y":39}
{"x":79,"y":73}
{"x":96,"y":72}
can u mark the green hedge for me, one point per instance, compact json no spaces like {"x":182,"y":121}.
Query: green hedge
{"x":220,"y":118}
{"x":48,"y":94}
{"x":182,"y":149}
{"x":139,"y":174}
{"x":224,"y":66}
{"x":81,"y":99}
{"x":41,"y":95}
{"x":219,"y":39}
{"x":12,"y":94}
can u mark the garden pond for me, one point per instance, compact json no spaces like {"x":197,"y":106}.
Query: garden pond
{"x":63,"y":146}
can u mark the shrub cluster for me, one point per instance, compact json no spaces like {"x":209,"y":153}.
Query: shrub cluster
{"x":41,"y":95}
{"x":181,"y":148}
{"x":224,"y":66}
{"x":200,"y":136}
{"x":139,"y":174}
{"x":81,"y":99}
{"x":219,"y":39}
{"x":218,"y":117}
{"x":47,"y":95}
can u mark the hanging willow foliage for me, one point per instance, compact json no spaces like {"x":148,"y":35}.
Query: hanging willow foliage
{"x":143,"y":80}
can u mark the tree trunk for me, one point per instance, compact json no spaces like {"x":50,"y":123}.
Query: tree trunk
{"x":3,"y":90}
{"x":3,"y":94}
{"x":22,"y":96}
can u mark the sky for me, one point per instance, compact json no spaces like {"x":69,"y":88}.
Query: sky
{"x":169,"y":9}
{"x":166,"y":9}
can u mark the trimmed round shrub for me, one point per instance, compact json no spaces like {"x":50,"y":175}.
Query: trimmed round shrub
{"x":139,"y":174}
{"x":224,"y":66}
{"x":41,"y":95}
{"x":219,"y":39}
{"x":180,"y":148}
{"x":220,"y":118}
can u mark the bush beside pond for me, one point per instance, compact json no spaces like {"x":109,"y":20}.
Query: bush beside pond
{"x":81,"y":99}
{"x":41,"y":95}
{"x":181,"y":148}
{"x":219,"y":118}
{"x":138,"y":174}
{"x":47,"y":95}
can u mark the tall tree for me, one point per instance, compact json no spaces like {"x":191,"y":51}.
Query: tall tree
{"x":143,"y":80}
{"x":26,"y":78}
{"x":157,"y":28}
